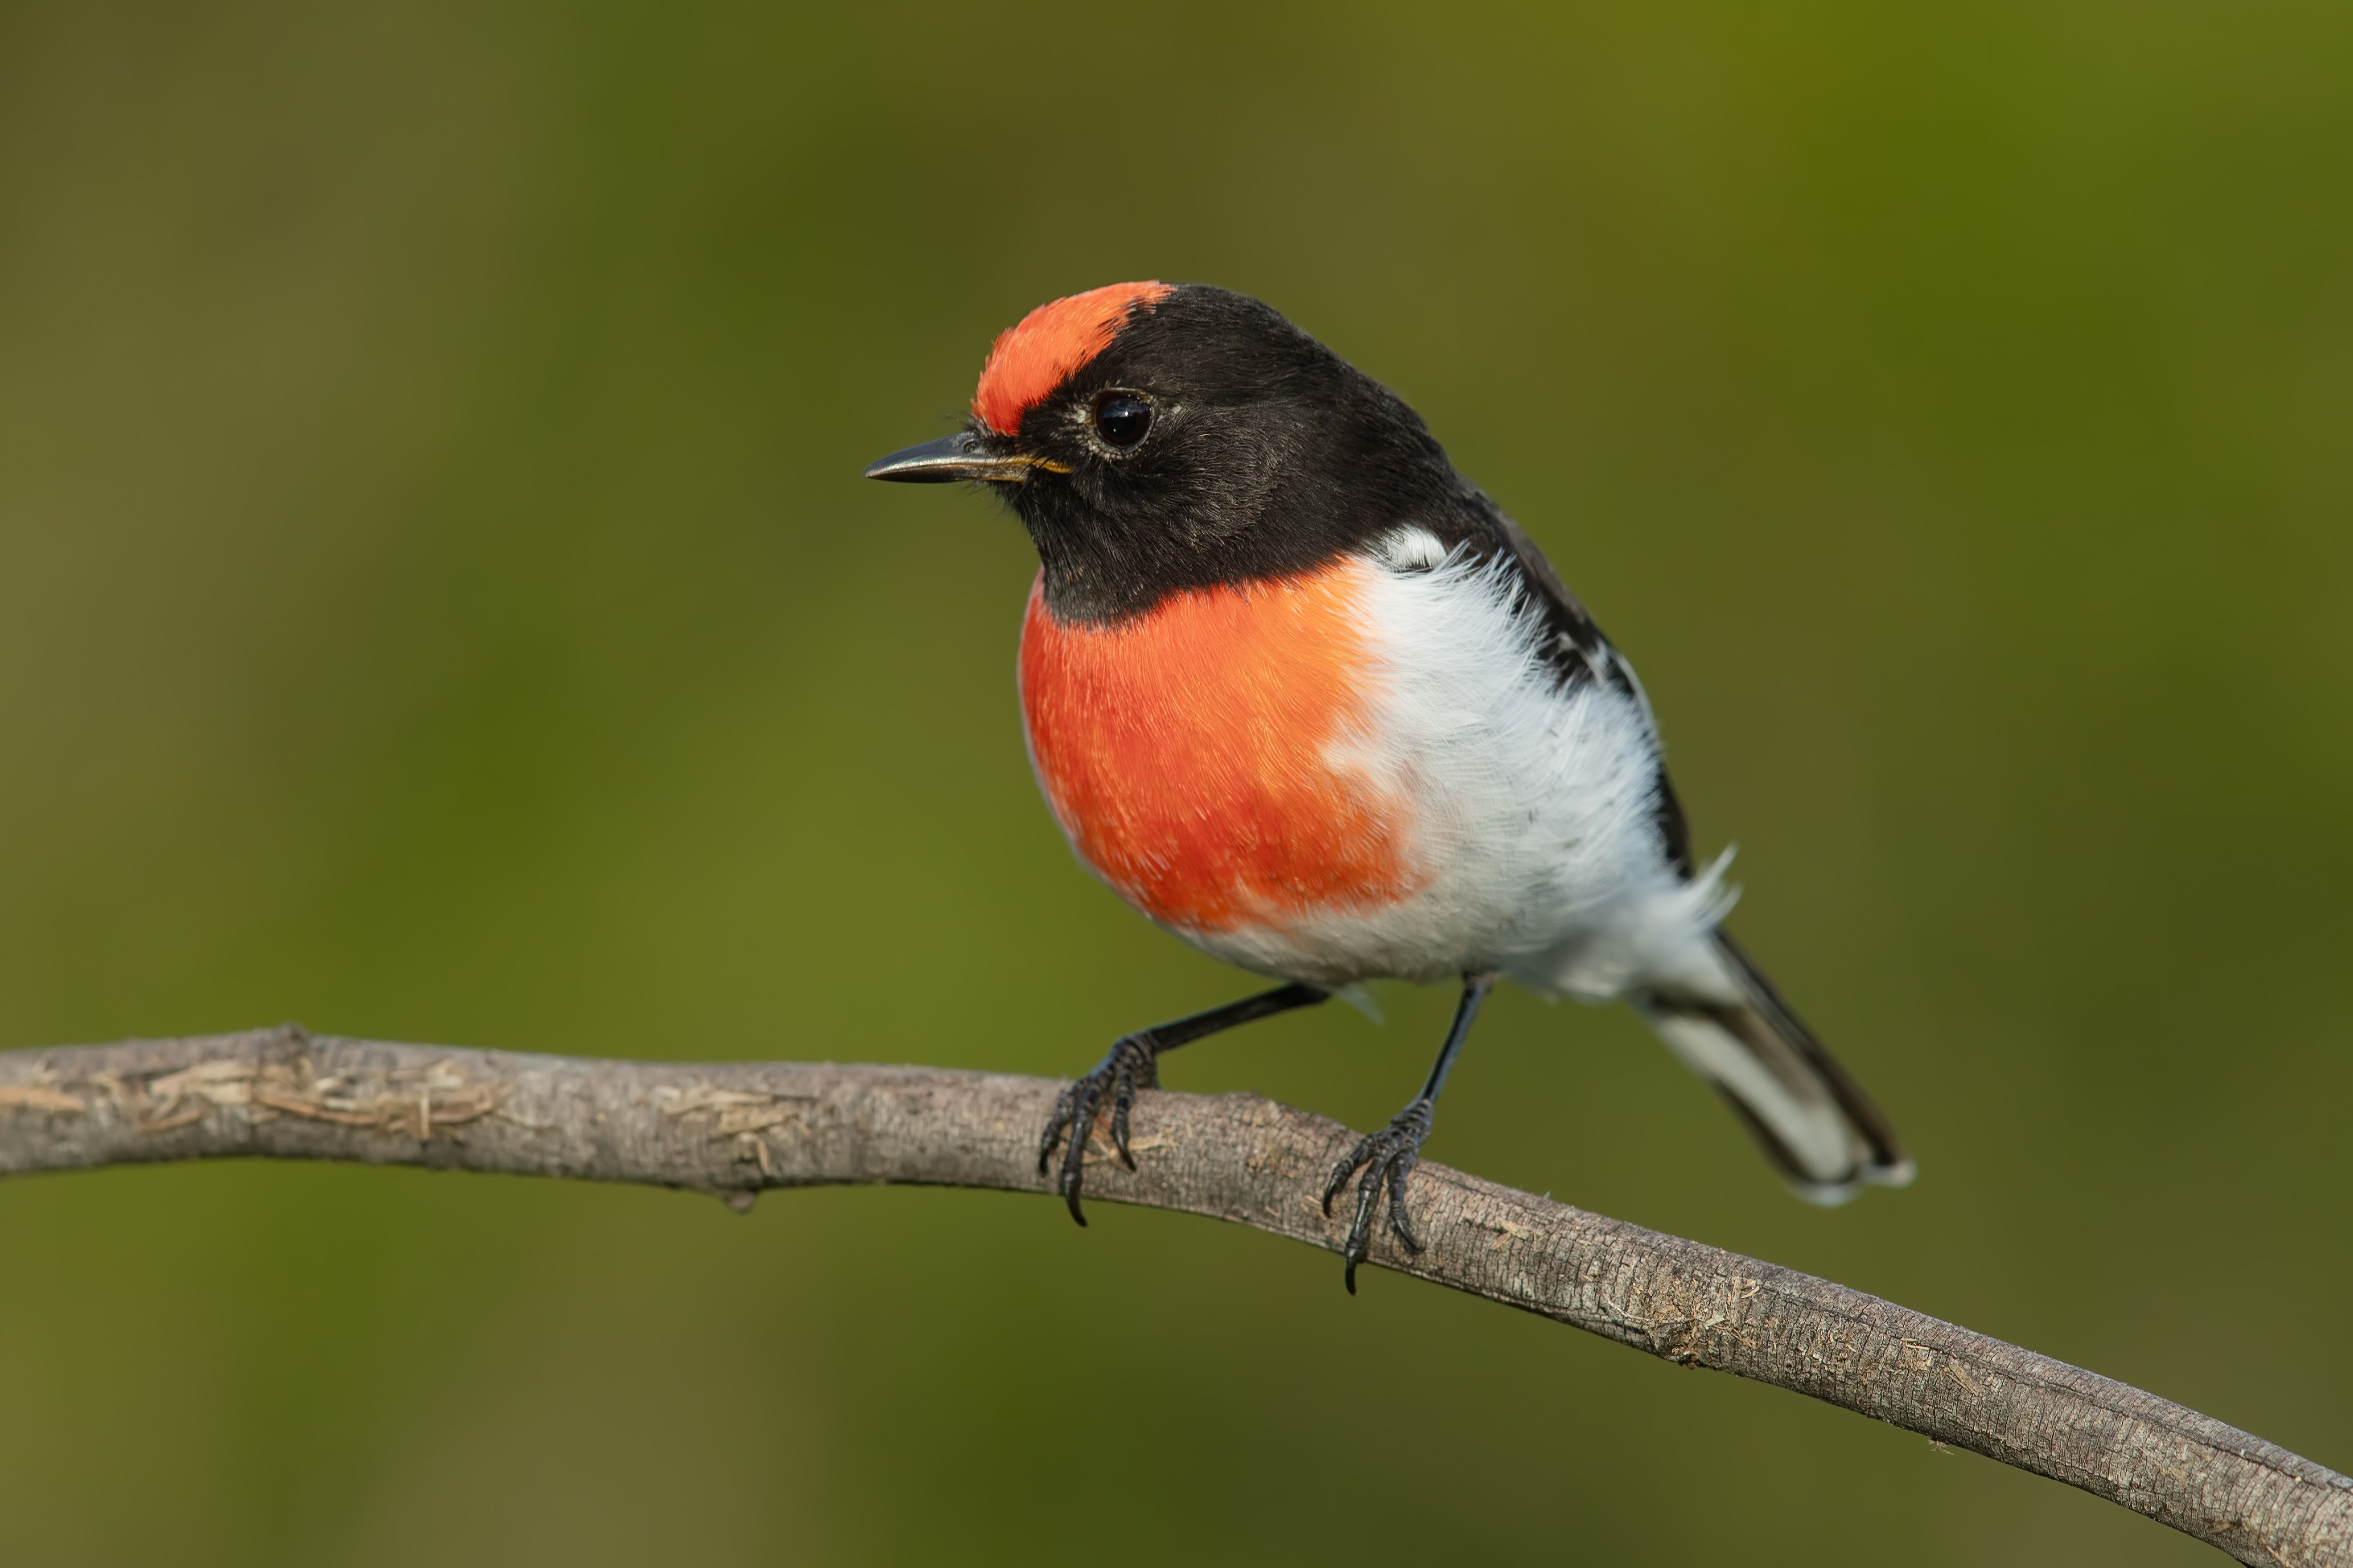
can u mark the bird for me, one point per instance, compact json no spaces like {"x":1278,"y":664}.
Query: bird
{"x":1309,"y":700}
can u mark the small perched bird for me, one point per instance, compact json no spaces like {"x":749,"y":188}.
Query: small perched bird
{"x":1304,"y":696}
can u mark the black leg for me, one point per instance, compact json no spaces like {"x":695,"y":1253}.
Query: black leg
{"x":1134,"y":1063}
{"x":1388,"y":1158}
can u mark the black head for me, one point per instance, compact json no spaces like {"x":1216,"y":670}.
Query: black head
{"x":1155,"y":438}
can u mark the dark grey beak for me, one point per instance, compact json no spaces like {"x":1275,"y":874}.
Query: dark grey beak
{"x":958,"y":456}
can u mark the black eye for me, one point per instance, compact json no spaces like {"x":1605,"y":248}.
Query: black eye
{"x":1122,"y":418}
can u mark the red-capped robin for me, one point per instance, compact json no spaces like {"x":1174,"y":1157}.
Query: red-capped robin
{"x":1304,"y":696}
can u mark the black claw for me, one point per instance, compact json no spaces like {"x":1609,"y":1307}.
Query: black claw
{"x":1400,"y":1220}
{"x":1082,"y":1117}
{"x":1386,"y":1158}
{"x":1344,"y":1169}
{"x":1369,"y":1192}
{"x":1123,"y":1101}
{"x":1128,"y":1066}
{"x":1133,"y":1064}
{"x":1054,"y":1126}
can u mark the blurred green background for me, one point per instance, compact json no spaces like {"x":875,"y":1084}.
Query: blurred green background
{"x":438,"y":602}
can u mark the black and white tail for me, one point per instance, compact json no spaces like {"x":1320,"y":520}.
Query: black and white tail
{"x":1813,"y":1121}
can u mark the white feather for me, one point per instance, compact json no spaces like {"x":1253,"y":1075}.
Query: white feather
{"x":1810,"y":1127}
{"x":1532,"y":832}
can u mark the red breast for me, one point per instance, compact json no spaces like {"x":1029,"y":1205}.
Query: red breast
{"x":1196,"y":754}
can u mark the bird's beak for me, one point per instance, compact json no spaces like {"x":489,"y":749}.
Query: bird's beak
{"x":955,"y":458}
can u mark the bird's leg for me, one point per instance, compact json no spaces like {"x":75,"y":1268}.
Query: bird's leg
{"x":1133,"y":1064}
{"x":1388,"y":1157}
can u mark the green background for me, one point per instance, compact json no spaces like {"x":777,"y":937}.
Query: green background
{"x":438,"y":602}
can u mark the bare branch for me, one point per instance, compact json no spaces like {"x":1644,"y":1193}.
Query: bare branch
{"x":733,"y":1128}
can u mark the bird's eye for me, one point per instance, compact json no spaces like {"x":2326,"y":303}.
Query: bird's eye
{"x":1122,"y":418}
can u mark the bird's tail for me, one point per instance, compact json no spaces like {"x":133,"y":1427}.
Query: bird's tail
{"x":1813,"y":1121}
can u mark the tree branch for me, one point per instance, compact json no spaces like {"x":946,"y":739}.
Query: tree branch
{"x":733,"y":1128}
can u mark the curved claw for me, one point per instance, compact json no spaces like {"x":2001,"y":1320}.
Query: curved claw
{"x":1064,"y":1107}
{"x":1074,"y":1156}
{"x":1342,"y":1170}
{"x":1360,"y":1231}
{"x":1123,"y":1101}
{"x":1386,"y":1157}
{"x":1129,"y":1066}
{"x":1400,"y":1220}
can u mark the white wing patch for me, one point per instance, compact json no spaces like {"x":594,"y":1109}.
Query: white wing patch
{"x":1411,"y":549}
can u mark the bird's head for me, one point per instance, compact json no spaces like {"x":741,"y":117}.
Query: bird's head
{"x":1156,"y":437}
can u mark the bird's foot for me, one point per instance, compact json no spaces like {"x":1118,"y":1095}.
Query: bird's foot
{"x":1129,"y":1066}
{"x":1386,"y":1157}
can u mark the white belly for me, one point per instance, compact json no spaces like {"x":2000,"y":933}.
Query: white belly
{"x":1533,"y":832}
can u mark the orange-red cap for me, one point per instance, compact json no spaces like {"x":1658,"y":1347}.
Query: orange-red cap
{"x":1030,"y":359}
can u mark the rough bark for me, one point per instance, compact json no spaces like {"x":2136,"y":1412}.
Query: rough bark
{"x":735,"y":1128}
